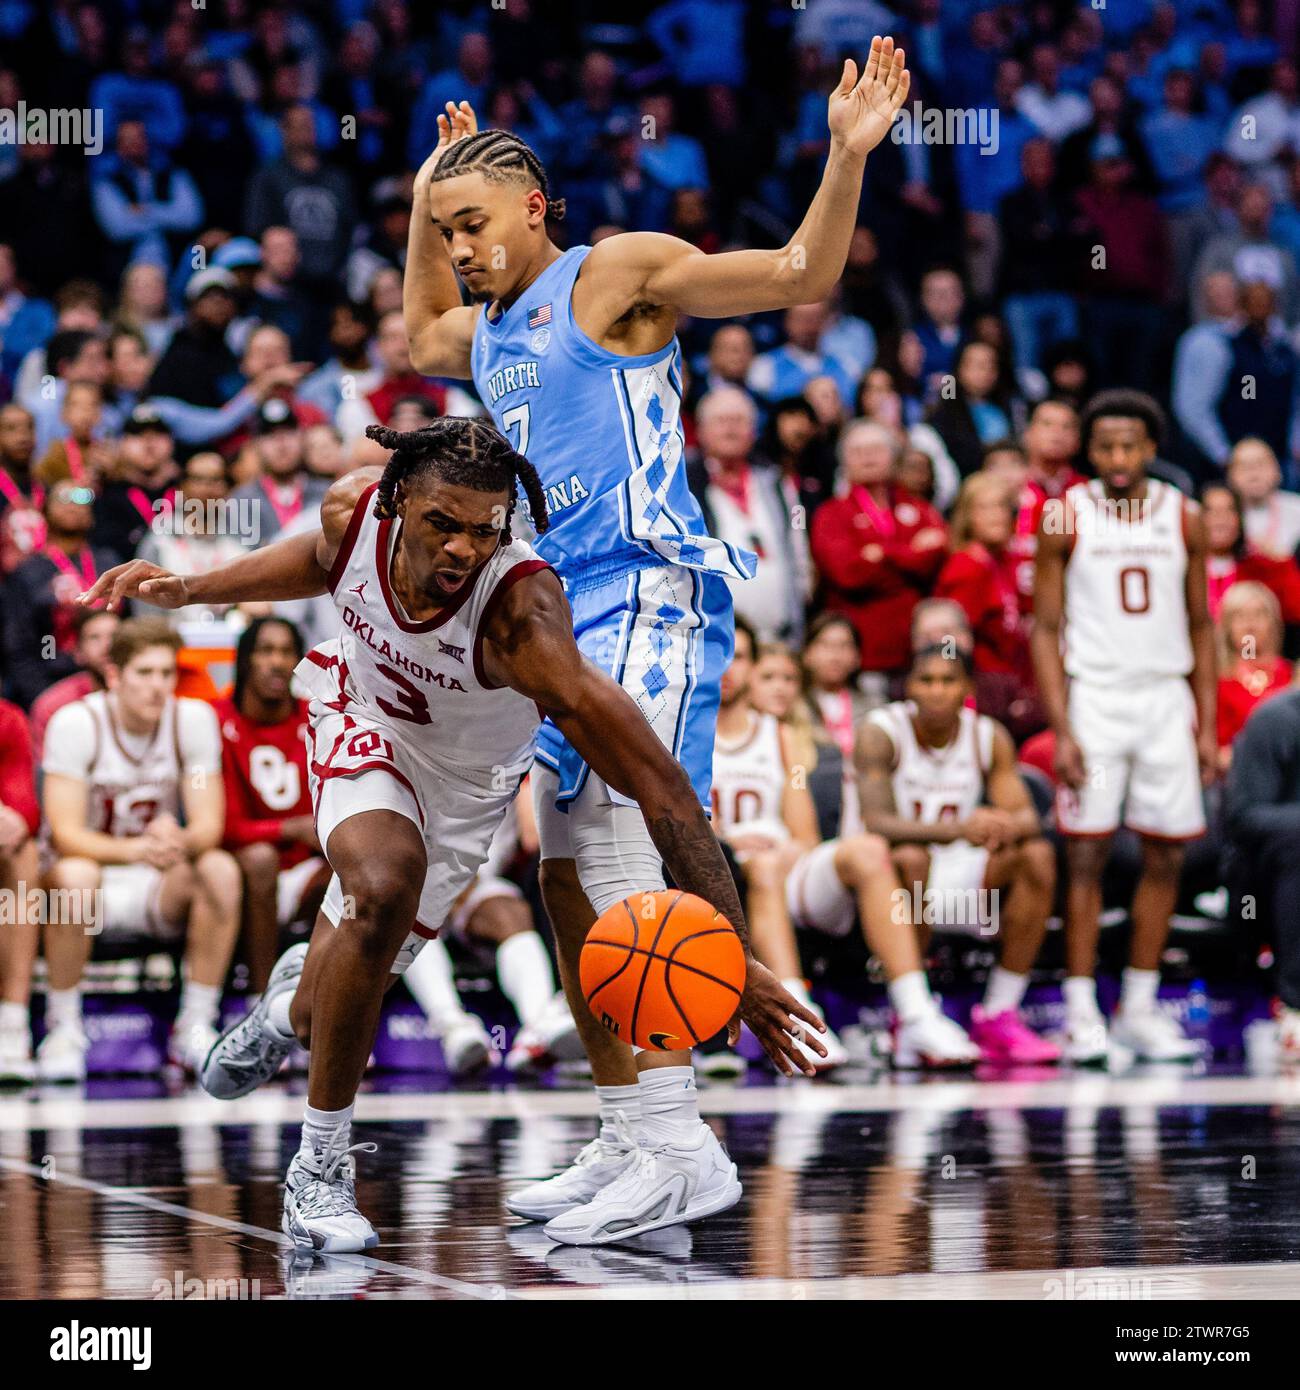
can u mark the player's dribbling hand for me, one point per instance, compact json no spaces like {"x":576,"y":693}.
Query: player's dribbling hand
{"x":860,"y":112}
{"x":137,"y":579}
{"x":1071,"y":770}
{"x":773,"y":1015}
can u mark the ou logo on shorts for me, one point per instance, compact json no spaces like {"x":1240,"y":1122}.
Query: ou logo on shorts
{"x":367,"y":743}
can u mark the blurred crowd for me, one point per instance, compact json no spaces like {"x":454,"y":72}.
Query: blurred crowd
{"x":198,"y":323}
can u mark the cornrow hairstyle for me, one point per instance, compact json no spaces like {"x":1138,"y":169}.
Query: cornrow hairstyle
{"x":244,"y":650}
{"x":468,"y":453}
{"x":501,"y":157}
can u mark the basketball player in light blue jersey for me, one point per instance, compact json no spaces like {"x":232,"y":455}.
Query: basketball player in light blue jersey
{"x":575,"y":355}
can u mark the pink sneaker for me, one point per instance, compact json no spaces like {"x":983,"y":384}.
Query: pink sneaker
{"x":1004,"y":1037}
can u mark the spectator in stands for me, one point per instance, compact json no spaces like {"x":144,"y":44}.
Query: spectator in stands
{"x":398,"y":379}
{"x":269,"y":825}
{"x":79,"y":307}
{"x":71,"y":355}
{"x":145,"y":206}
{"x":1248,"y":251}
{"x":1179,"y":141}
{"x":141,"y":491}
{"x":1263,"y":127}
{"x":283,"y":489}
{"x":939,"y":327}
{"x":1262,"y":819}
{"x":877,"y":548}
{"x":121,"y":768}
{"x":217,"y":148}
{"x":39,"y":596}
{"x":22,"y":527}
{"x":350,"y":367}
{"x":198,"y":366}
{"x":385,"y":246}
{"x":786,"y":370}
{"x":79,"y":453}
{"x":1248,"y":632}
{"x":971,"y":411}
{"x":880,"y":401}
{"x":792,"y":440}
{"x":322,"y":447}
{"x":1037,"y":259}
{"x":1057,"y":114}
{"x":143,"y":306}
{"x":278,"y":299}
{"x":20,"y":877}
{"x":314,"y":199}
{"x":745,"y":507}
{"x":1204,"y":353}
{"x":1124,"y":292}
{"x":731,"y":355}
{"x":1051,"y":445}
{"x":132,"y":95}
{"x":1270,"y":511}
{"x":25,"y":320}
{"x":94,"y":629}
{"x":1259,"y":353}
{"x":1231,"y":558}
{"x":469,"y":80}
{"x":130,"y":365}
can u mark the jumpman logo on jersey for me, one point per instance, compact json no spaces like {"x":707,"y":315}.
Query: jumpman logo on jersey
{"x":357,"y":590}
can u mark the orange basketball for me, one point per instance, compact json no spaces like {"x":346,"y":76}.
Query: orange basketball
{"x":663,"y":970}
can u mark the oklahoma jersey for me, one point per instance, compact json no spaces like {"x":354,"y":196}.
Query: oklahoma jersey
{"x":420,"y":684}
{"x":265,"y":772}
{"x":933,"y":784}
{"x":1126,"y":587}
{"x":749,"y":781}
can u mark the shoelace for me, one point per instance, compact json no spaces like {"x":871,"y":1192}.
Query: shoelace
{"x":332,"y":1191}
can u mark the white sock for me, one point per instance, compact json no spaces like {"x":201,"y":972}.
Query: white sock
{"x":429,"y":979}
{"x":910,"y":995}
{"x":63,"y":1008}
{"x":13,"y":1017}
{"x":199,"y":1004}
{"x":613,"y":1099}
{"x":1137,"y":993}
{"x":321,"y":1127}
{"x":670,"y":1104}
{"x":277,"y":1014}
{"x":1080,"y":993}
{"x":524,"y":970}
{"x":1005,"y":990}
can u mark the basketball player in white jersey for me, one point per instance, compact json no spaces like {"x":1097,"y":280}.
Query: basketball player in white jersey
{"x":120,"y":766}
{"x":455,"y":639}
{"x":794,"y":878}
{"x":939,"y":783}
{"x":1120,"y":581}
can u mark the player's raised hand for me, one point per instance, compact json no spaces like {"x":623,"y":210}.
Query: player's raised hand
{"x":458,"y":122}
{"x":137,"y":579}
{"x":861,"y":110}
{"x":773,"y":1014}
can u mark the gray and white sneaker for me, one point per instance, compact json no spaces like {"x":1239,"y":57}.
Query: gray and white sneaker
{"x":320,"y":1201}
{"x":250,"y":1052}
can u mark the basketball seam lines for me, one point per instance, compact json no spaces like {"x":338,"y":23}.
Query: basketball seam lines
{"x":681,"y":965}
{"x":678,"y":964}
{"x":650,"y":954}
{"x":631,"y":951}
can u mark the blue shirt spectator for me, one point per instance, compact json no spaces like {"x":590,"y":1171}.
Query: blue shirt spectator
{"x":133,"y":94}
{"x":703,"y":40}
{"x":468,"y":81}
{"x":1178,"y":144}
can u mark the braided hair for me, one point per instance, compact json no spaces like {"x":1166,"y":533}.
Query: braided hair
{"x":501,"y":157}
{"x":467,"y":453}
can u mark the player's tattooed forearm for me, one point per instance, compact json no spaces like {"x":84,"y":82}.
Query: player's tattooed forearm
{"x":694,"y":857}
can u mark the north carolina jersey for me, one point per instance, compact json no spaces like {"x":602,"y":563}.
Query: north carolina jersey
{"x":602,"y":430}
{"x":265,"y":772}
{"x":421,"y":683}
{"x":749,"y":781}
{"x":933,"y":784}
{"x":1125,"y":587}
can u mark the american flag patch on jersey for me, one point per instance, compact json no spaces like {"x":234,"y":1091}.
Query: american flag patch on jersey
{"x":540,"y":316}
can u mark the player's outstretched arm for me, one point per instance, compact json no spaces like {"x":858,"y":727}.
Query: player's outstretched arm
{"x":295,"y":568}
{"x":439,"y":328}
{"x":529,"y":646}
{"x":650,"y":268}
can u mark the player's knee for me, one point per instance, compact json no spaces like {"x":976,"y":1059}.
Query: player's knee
{"x":1037,"y":862}
{"x":218,"y":874}
{"x":1086,"y":858}
{"x":260,"y":864}
{"x":381,"y":898}
{"x":75,"y":874}
{"x":1162,"y":858}
{"x":911,"y":862}
{"x":765,"y":870}
{"x":861,"y":857}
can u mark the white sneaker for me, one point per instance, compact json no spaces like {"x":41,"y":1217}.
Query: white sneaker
{"x":594,"y":1168}
{"x":250,"y":1052}
{"x":16,"y":1065}
{"x":933,"y":1041}
{"x":467,"y":1049}
{"x":320,"y":1202}
{"x":552,"y":1038}
{"x":1154,"y":1036}
{"x":62,"y":1054}
{"x":1086,"y":1042}
{"x":188,"y":1046}
{"x":664,"y":1184}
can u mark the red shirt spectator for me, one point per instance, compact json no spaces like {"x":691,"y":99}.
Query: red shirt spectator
{"x":878,"y":549}
{"x":1248,"y":685}
{"x":17,"y":770}
{"x":1232,"y":560}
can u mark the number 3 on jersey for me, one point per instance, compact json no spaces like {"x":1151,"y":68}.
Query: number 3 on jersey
{"x":517,"y":415}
